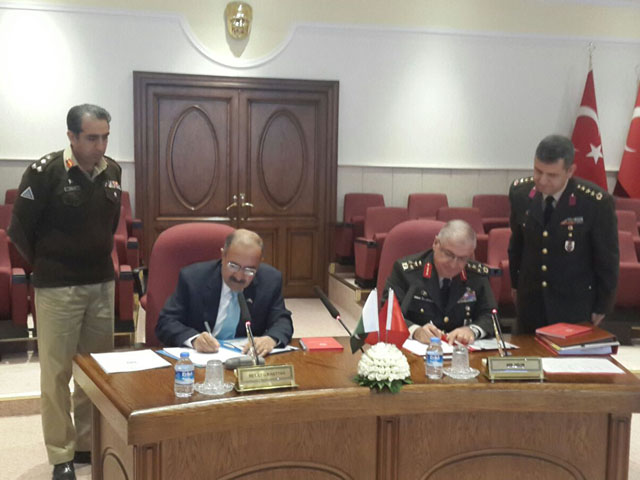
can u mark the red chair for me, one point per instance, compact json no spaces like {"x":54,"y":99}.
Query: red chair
{"x":632,"y":204}
{"x":124,"y":295}
{"x":14,"y":304}
{"x":629,"y":279}
{"x":134,"y":225}
{"x":16,"y":258}
{"x":177,"y":247}
{"x":406,"y":238}
{"x":494,"y":209}
{"x":498,"y":258}
{"x":352,"y":227}
{"x":426,"y":205}
{"x":377,"y":222}
{"x":10,"y":196}
{"x":628,"y":222}
{"x":473,"y":217}
{"x":127,"y":247}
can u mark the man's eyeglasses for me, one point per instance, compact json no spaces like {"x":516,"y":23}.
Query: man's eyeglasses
{"x":452,"y":256}
{"x":235,"y":268}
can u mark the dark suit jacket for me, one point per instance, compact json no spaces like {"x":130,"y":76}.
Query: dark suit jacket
{"x":567,"y":270}
{"x":197,"y":297}
{"x":418,"y":291}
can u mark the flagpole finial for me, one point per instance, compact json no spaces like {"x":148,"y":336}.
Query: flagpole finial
{"x":591,"y":49}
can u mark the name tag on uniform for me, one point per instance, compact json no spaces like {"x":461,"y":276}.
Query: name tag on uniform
{"x":72,"y":188}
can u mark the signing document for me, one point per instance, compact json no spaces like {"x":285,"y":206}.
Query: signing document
{"x":579,"y":365}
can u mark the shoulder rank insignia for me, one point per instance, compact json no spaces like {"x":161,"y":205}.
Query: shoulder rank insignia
{"x":40,"y":164}
{"x":477,"y":267}
{"x":411,"y":265}
{"x":519,"y":181}
{"x":589,"y":192}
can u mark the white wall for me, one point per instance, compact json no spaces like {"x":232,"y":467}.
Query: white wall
{"x":440,"y":111}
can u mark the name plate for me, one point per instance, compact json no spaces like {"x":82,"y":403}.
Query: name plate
{"x":265,"y":377}
{"x":514,"y":368}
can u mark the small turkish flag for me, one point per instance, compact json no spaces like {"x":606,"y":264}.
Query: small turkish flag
{"x":628,"y":184}
{"x":589,"y":158}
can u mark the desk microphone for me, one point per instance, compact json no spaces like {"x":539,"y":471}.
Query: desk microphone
{"x":333,"y":311}
{"x":245,"y":314}
{"x":243,"y":361}
{"x":502,"y":347}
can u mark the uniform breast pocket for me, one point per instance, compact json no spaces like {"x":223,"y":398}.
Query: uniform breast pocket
{"x":112,"y":194}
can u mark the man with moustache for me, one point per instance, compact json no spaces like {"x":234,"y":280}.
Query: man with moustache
{"x":207,"y":292}
{"x":63,"y":224}
{"x":563,"y":253}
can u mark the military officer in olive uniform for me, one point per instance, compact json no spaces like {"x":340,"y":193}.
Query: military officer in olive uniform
{"x":443,"y":290}
{"x":63,"y":224}
{"x":563,"y":253}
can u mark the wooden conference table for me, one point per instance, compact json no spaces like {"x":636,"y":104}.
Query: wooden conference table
{"x":569,"y":427}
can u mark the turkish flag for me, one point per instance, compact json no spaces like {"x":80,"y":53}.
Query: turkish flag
{"x":393,"y":328}
{"x":589,"y":159}
{"x":628,"y":184}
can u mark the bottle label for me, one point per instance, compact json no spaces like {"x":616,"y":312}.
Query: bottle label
{"x":434,"y":359}
{"x":184,"y":377}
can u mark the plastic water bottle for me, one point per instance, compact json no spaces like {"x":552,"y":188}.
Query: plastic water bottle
{"x":433,"y":359}
{"x":183,"y":385}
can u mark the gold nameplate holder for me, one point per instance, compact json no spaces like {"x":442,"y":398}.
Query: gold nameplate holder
{"x":265,"y":377}
{"x":514,"y":368}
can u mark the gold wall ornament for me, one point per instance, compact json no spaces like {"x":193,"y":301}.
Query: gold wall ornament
{"x":239,"y":16}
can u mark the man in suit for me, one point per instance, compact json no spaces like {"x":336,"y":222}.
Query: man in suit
{"x":206,"y":297}
{"x":563,"y":253}
{"x":443,"y":290}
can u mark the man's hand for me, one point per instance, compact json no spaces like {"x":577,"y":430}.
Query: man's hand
{"x":596,"y":318}
{"x":462,"y":334}
{"x":264,"y":345}
{"x":425,"y":332}
{"x":206,"y":343}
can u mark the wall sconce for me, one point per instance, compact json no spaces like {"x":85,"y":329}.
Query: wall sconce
{"x":238,"y":16}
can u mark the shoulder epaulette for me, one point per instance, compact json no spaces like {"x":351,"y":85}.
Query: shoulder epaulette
{"x":40,"y":165}
{"x":478,"y":267}
{"x":519,"y":181}
{"x":590,"y":191}
{"x":409,"y":265}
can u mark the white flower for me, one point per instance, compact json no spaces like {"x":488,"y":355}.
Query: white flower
{"x":384,"y":362}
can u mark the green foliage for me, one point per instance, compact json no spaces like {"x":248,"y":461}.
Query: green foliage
{"x":393,"y":386}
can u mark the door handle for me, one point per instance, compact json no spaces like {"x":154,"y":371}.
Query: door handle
{"x":244,"y":204}
{"x":233,"y":204}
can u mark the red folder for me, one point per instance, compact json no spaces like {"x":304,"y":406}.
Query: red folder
{"x":563,"y":330}
{"x":321,"y":344}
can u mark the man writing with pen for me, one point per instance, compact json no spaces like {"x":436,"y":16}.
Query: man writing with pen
{"x":443,"y":292}
{"x":204,"y":311}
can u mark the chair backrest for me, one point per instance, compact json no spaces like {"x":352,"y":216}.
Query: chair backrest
{"x":498,"y":246}
{"x":426,"y":205}
{"x":383,"y":219}
{"x":492,"y":205}
{"x":632,"y":204}
{"x":125,"y":201}
{"x":627,"y":247}
{"x":627,"y":221}
{"x":175,"y":248}
{"x":5,"y":277}
{"x":5,"y":215}
{"x":470,"y":215}
{"x":356,"y":204}
{"x":10,"y":195}
{"x":408,"y":237}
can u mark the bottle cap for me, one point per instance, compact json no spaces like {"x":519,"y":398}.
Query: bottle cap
{"x":435,"y":340}
{"x":184,"y":354}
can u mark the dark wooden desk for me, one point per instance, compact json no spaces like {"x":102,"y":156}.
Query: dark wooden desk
{"x":569,"y":427}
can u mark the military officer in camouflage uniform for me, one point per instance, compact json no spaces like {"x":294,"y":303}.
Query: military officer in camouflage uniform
{"x":443,"y":290}
{"x":63,"y":224}
{"x":563,"y":253}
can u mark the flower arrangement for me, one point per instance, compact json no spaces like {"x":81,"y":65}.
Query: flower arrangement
{"x":383,"y":365}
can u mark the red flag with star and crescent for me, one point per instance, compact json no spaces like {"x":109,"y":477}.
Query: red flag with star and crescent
{"x":628,"y":184}
{"x":589,"y":158}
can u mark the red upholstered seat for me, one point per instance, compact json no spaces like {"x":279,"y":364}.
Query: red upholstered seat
{"x":632,"y":204}
{"x":629,"y":279}
{"x":473,"y":217}
{"x":10,"y":196}
{"x":175,"y":248}
{"x":498,"y":258}
{"x":134,"y":225}
{"x":377,"y":222}
{"x":426,"y":205}
{"x":494,"y":209}
{"x":14,"y":304}
{"x":127,"y":247}
{"x":628,"y":222}
{"x":352,"y":227}
{"x":404,"y":239}
{"x":124,"y":294}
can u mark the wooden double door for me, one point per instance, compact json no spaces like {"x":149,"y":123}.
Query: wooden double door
{"x":251,"y":153}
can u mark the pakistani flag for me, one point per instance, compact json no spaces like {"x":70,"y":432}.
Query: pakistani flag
{"x":368,"y":322}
